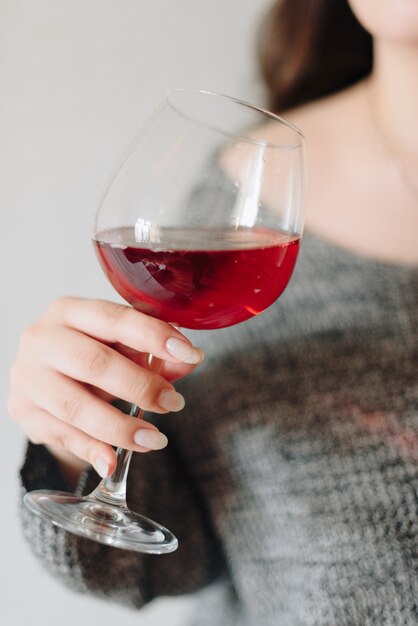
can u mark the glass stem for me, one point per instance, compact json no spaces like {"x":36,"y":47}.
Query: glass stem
{"x":112,"y":489}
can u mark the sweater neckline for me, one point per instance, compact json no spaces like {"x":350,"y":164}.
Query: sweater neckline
{"x":351,"y":255}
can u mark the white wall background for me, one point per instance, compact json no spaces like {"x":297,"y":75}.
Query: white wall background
{"x":77,"y":77}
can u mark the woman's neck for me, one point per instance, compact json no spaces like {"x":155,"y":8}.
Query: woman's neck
{"x":394,"y":96}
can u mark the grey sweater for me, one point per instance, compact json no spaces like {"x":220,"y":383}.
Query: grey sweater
{"x":291,"y":477}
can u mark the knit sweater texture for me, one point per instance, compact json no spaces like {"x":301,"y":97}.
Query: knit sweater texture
{"x":291,"y":477}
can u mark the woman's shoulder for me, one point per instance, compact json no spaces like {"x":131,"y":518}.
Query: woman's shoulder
{"x":331,"y":114}
{"x":353,"y":198}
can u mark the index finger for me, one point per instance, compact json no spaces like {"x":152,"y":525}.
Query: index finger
{"x":110,"y":322}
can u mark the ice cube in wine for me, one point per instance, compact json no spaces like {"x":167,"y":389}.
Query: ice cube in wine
{"x":198,"y":277}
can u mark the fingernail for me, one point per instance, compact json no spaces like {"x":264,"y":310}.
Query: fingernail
{"x":171,"y":400}
{"x":151,"y":439}
{"x":183,"y":351}
{"x":102,"y":468}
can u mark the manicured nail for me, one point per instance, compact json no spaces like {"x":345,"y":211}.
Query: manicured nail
{"x":171,"y":400}
{"x":151,"y":439}
{"x":183,"y":351}
{"x":102,"y":468}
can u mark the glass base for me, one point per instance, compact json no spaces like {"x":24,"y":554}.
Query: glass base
{"x":111,"y":525}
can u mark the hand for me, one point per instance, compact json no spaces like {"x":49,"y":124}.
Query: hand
{"x":79,"y":356}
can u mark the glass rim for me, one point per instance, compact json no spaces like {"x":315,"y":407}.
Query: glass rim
{"x":269,"y":115}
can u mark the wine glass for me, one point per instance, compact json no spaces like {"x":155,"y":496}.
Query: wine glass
{"x":200,"y":227}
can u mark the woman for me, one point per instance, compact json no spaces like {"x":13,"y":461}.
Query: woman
{"x":291,"y":483}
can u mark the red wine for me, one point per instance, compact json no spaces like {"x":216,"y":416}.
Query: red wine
{"x":198,"y":278}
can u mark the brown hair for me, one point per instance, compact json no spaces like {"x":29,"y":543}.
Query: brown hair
{"x":311,"y":48}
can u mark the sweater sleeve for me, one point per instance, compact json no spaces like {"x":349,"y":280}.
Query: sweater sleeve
{"x":158,"y":487}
